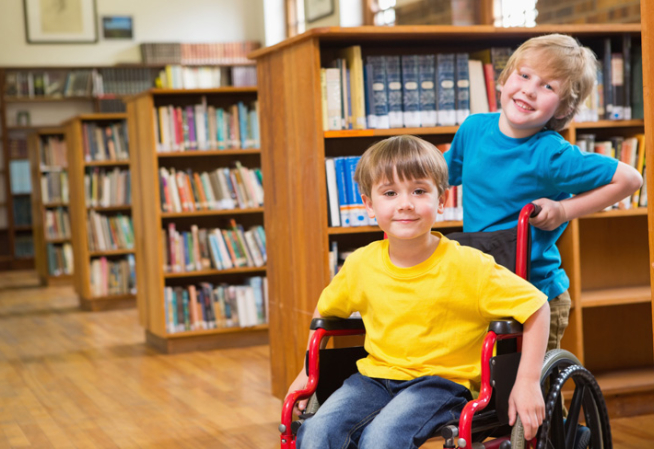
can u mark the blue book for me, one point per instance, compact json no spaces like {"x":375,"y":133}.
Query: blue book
{"x":394,"y":86}
{"x":379,"y":103}
{"x":410,"y":91}
{"x":341,"y":181}
{"x":462,"y":88}
{"x":446,"y":92}
{"x":358,"y":213}
{"x":368,"y":97}
{"x":256,"y":283}
{"x":242,"y":124}
{"x":215,"y":251}
{"x":427,"y":85}
{"x":187,"y":316}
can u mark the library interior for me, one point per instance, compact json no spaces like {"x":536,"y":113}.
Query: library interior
{"x":177,"y":189}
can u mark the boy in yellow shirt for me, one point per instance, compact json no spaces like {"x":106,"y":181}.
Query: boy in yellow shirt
{"x":426,"y":303}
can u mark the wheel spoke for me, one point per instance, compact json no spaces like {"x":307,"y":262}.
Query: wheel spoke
{"x":573,"y":415}
{"x":557,"y":431}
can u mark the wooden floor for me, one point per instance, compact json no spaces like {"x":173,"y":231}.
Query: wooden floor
{"x":73,"y":379}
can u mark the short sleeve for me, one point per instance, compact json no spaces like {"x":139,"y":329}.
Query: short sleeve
{"x":506,"y":295}
{"x":574,"y":171}
{"x":335,"y":298}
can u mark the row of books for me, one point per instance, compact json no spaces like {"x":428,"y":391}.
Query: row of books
{"x":56,"y":224}
{"x":345,"y":206}
{"x":206,"y":77}
{"x":205,"y":127}
{"x":61,"y":83}
{"x":113,"y":277}
{"x":18,"y":148}
{"x":106,"y":188}
{"x":631,"y":151}
{"x":409,"y":90}
{"x":19,"y":173}
{"x":109,"y":232}
{"x":207,"y":307}
{"x":54,"y":187}
{"x":22,"y":208}
{"x":105,"y":143}
{"x":222,"y":188}
{"x":60,"y":259}
{"x":52,"y":152}
{"x":23,"y":246}
{"x":219,"y":249}
{"x":197,"y":53}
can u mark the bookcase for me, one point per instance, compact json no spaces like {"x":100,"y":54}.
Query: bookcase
{"x":146,"y":130}
{"x":50,"y":220}
{"x":604,"y":254}
{"x":103,"y":278}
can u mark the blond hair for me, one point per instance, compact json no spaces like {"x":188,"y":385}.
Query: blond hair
{"x":407,"y":156}
{"x":562,"y":58}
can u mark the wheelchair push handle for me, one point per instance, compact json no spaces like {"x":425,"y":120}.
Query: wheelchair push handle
{"x":535,"y":211}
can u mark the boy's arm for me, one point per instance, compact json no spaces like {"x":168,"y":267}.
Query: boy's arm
{"x":300,"y":381}
{"x":626,"y":181}
{"x":526,"y":399}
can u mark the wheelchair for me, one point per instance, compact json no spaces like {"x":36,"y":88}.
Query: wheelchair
{"x":483,"y":423}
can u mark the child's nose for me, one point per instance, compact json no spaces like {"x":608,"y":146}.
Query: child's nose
{"x":406,"y":203}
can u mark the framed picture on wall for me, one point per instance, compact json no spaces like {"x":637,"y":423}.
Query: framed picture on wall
{"x":317,"y":9}
{"x":117,"y":27}
{"x":60,"y":21}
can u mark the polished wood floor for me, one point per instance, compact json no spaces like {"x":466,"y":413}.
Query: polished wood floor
{"x":73,"y":379}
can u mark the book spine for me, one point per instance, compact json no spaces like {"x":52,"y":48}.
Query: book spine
{"x":379,"y":104}
{"x":394,"y":86}
{"x":462,"y":88}
{"x":446,"y":90}
{"x":427,"y":86}
{"x":410,"y":91}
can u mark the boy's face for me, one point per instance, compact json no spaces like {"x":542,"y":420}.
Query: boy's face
{"x":529,"y":101}
{"x":405,"y":209}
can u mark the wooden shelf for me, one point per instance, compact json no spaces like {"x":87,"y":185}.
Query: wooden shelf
{"x":150,"y":219}
{"x":44,"y":99}
{"x":57,"y":241}
{"x":109,"y":208}
{"x":364,"y":229}
{"x":626,"y":381}
{"x":48,"y":205}
{"x":240,"y":270}
{"x":209,"y":213}
{"x":206,"y":153}
{"x":390,"y":132}
{"x":639,"y":211}
{"x":111,"y":252}
{"x":616,"y":296}
{"x":608,"y":124}
{"x":104,"y":163}
{"x":223,"y":330}
{"x":23,"y":228}
{"x":45,"y":169}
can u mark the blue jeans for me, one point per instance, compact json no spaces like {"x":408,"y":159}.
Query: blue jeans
{"x":369,"y":413}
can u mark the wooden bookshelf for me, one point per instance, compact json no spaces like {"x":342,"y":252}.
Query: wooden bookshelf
{"x":604,"y":254}
{"x":48,"y":271}
{"x":150,"y":220}
{"x":79,"y":164}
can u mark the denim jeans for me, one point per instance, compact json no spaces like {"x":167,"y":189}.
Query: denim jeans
{"x":369,"y":413}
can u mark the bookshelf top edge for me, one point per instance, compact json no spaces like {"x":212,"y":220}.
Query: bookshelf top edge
{"x":441,"y":32}
{"x":211,"y":91}
{"x":98,"y":116}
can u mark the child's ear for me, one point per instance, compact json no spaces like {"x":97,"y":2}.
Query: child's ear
{"x":368,"y":203}
{"x":442,"y":200}
{"x":564,"y":114}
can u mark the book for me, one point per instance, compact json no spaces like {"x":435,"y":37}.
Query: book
{"x":352,"y":56}
{"x":478,"y":96}
{"x":394,"y":89}
{"x":445,"y":74}
{"x":410,"y":91}
{"x":427,"y":86}
{"x":462,"y":87}
{"x":334,"y":214}
{"x":333,"y":99}
{"x":379,"y":103}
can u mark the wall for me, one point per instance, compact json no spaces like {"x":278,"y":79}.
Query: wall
{"x":154,"y":21}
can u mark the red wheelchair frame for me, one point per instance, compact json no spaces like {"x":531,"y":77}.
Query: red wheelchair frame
{"x":474,"y":406}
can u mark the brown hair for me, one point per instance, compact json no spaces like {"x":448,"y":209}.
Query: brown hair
{"x":408,"y":156}
{"x":563,"y":58}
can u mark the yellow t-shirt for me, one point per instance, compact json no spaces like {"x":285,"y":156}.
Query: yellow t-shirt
{"x":429,"y":319}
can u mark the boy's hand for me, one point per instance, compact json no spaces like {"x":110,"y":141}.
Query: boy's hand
{"x":526,"y":400}
{"x":300,"y":383}
{"x":551,"y":216}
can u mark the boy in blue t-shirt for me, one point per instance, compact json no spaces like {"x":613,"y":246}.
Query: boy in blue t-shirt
{"x":508,"y":159}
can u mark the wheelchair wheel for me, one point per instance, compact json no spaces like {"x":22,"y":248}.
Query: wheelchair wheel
{"x":558,"y":432}
{"x":555,"y":361}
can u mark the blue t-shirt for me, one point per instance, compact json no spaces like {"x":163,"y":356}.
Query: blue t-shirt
{"x":501,"y":174}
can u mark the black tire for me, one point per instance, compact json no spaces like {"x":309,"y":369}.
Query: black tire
{"x":557,"y":433}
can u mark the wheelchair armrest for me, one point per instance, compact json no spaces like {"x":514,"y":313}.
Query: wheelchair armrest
{"x":335,"y":324}
{"x":505,"y":327}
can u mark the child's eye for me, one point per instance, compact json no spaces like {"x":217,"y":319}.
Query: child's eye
{"x":524,"y":75}
{"x":420,"y":191}
{"x":549,"y":86}
{"x":389,"y":193}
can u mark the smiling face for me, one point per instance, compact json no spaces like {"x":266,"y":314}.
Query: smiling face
{"x":405,"y":209}
{"x":529,"y":100}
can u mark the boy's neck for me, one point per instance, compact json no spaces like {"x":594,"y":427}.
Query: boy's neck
{"x":409,"y":253}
